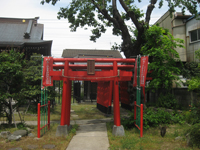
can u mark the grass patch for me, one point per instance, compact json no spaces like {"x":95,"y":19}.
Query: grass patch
{"x":54,"y":116}
{"x":49,"y":137}
{"x":87,"y":111}
{"x":84,"y":111}
{"x":151,"y":139}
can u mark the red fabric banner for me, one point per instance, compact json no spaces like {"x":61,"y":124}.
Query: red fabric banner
{"x":135,"y":74}
{"x":143,"y":70}
{"x":104,"y":93}
{"x":47,"y":67}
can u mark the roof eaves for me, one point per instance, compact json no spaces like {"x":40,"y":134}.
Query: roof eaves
{"x":192,"y":17}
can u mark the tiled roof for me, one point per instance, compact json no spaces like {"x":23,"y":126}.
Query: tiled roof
{"x":85,"y":53}
{"x":18,"y":31}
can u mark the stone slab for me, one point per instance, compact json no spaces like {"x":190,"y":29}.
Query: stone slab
{"x":49,"y":146}
{"x":5,"y":134}
{"x":63,"y":130}
{"x":14,"y":137}
{"x":20,"y":132}
{"x":17,"y":148}
{"x":32,"y":146}
{"x":118,"y":130}
{"x":90,"y":137}
{"x":88,"y":143}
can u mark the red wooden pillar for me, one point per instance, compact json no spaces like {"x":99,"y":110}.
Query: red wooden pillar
{"x":64,"y":103}
{"x":116,"y":96}
{"x":66,"y":97}
{"x":68,"y":108}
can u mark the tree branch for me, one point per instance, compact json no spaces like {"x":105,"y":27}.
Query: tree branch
{"x":114,"y":4}
{"x":104,"y":12}
{"x":149,"y":10}
{"x":131,"y":14}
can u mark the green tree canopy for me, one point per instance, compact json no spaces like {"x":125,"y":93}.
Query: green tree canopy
{"x":100,"y":14}
{"x":32,"y":80}
{"x":194,"y":82}
{"x":11,"y":81}
{"x":160,"y":47}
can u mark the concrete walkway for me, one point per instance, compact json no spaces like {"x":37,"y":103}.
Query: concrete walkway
{"x":90,"y":137}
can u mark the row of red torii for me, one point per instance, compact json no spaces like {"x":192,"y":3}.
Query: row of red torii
{"x":112,"y":70}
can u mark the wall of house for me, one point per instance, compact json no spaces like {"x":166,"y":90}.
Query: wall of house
{"x":177,"y":28}
{"x":178,"y":31}
{"x":165,"y":21}
{"x":191,"y":25}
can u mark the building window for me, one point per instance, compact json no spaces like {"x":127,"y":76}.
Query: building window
{"x":198,"y":34}
{"x":195,"y":35}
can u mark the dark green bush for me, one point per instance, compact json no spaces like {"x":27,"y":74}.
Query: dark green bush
{"x":21,"y":126}
{"x":153,"y":118}
{"x":194,"y":133}
{"x":167,"y":101}
{"x":193,"y":115}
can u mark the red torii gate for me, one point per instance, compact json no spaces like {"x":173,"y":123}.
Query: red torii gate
{"x":69,"y":71}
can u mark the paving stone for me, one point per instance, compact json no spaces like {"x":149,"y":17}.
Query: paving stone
{"x":36,"y":138}
{"x":17,"y":148}
{"x":32,"y":146}
{"x":20,"y":132}
{"x":31,"y":135}
{"x":49,"y":146}
{"x":29,"y":130}
{"x":5,"y":134}
{"x":74,"y":116}
{"x":14,"y":137}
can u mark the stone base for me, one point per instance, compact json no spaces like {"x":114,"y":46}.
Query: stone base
{"x":118,"y":130}
{"x":63,"y":130}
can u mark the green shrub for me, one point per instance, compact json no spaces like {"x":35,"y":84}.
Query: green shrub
{"x":194,"y":133}
{"x":152,"y":118}
{"x":177,"y":118}
{"x":167,"y":101}
{"x":193,"y":115}
{"x":21,"y":126}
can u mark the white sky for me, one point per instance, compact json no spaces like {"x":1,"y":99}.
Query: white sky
{"x":58,"y":30}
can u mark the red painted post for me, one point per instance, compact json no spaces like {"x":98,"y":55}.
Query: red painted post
{"x":68,"y":106}
{"x":134,"y":111}
{"x":64,"y":97}
{"x":116,"y":96}
{"x":141,"y":120}
{"x":38,"y":120}
{"x":63,"y":120}
{"x":48,"y":115}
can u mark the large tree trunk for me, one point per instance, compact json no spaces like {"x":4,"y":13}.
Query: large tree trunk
{"x":9,"y":115}
{"x":133,"y":49}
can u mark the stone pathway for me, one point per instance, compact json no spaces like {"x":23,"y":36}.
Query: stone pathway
{"x":90,"y":137}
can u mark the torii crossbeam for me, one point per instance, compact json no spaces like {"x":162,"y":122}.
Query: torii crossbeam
{"x":87,"y":69}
